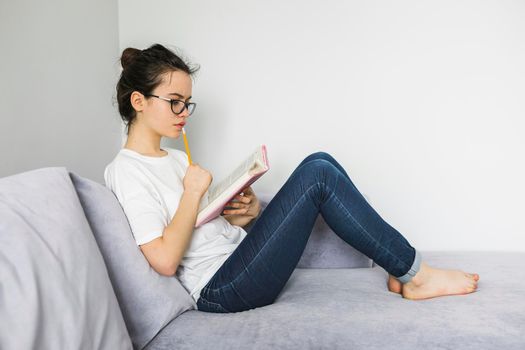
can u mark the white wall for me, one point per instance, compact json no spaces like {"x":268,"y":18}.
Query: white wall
{"x":58,"y":69}
{"x":421,"y":102}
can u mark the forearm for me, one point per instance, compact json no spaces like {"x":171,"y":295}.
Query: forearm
{"x":177,"y":235}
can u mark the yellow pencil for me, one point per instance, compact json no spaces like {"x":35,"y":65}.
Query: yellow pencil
{"x":186,"y":144}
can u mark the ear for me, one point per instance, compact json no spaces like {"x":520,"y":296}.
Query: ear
{"x":137,"y":101}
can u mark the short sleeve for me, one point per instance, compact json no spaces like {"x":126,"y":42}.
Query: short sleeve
{"x":145,"y":214}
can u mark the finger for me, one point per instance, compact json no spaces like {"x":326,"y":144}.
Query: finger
{"x":238,"y":205}
{"x":236,"y":212}
{"x":245,"y":199}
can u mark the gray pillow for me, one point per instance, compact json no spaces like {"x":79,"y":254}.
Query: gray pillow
{"x":324,"y":248}
{"x":148,"y":300}
{"x":55,"y":292}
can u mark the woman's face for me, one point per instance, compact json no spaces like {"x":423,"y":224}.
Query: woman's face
{"x":157,"y":113}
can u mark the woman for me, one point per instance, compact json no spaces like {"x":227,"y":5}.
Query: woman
{"x":223,"y":268}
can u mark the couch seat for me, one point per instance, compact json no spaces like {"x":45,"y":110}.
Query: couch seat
{"x":353,"y":309}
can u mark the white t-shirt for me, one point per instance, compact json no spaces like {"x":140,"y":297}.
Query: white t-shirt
{"x":149,"y":190}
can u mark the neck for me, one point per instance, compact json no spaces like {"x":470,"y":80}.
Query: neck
{"x":143,"y":140}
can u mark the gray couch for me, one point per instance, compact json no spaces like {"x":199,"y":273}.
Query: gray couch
{"x":72,"y":277}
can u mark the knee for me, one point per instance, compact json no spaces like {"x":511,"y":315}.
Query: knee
{"x":319,"y":155}
{"x":319,"y":168}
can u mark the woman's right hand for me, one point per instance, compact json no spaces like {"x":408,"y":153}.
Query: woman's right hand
{"x":197,"y":179}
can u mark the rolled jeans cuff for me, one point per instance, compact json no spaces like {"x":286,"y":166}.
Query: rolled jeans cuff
{"x":413,"y":270}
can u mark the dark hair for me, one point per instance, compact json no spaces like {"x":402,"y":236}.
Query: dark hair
{"x":142,"y":71}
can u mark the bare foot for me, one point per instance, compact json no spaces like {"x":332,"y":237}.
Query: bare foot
{"x":432,"y":282}
{"x":394,"y":285}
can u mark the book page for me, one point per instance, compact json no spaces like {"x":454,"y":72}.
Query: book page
{"x":253,"y":162}
{"x":249,"y":171}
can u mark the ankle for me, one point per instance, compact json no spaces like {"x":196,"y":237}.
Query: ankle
{"x":422,"y":275}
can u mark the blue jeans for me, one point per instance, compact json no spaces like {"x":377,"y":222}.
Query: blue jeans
{"x":257,"y":270}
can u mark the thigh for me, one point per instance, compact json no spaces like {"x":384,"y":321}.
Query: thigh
{"x":256,"y":272}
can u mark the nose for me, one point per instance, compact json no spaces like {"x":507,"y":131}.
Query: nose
{"x":184,"y":114}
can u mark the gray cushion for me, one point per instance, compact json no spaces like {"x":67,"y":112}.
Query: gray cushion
{"x":353,"y":309}
{"x":147,"y":299}
{"x":324,"y":248}
{"x":55,"y":292}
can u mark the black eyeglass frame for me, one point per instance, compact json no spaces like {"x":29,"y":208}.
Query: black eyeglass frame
{"x":190,"y":106}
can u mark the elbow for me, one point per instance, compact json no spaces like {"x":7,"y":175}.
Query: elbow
{"x":167,"y":269}
{"x":170,"y":269}
{"x":160,"y":259}
{"x":166,"y":273}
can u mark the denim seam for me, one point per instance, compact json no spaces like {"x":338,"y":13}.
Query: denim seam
{"x":373,"y":239}
{"x":206,"y":301}
{"x":268,"y":241}
{"x":310,"y":161}
{"x":411,"y":269}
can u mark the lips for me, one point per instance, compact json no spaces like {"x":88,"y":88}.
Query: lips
{"x":181,"y":124}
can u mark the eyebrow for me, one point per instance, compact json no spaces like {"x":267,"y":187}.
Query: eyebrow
{"x":176,"y":94}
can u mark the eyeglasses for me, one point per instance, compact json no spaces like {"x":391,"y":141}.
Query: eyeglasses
{"x":177,"y":106}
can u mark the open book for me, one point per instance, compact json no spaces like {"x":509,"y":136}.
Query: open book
{"x":243,"y":176}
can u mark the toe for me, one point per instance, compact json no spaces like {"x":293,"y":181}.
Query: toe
{"x":475,"y":276}
{"x":472,"y":288}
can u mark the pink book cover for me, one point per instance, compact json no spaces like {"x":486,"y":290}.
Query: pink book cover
{"x":219,"y":206}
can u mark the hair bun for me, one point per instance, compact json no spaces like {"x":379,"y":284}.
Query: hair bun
{"x":128,"y":55}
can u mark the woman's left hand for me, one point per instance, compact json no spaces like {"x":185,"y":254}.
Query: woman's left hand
{"x":246,"y":209}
